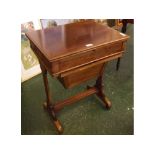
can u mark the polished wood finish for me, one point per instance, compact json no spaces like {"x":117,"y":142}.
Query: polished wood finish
{"x":99,"y":85}
{"x":48,"y":104}
{"x":75,"y":53}
{"x":58,"y":106}
{"x":69,"y":39}
{"x":60,"y":46}
{"x":81,"y":75}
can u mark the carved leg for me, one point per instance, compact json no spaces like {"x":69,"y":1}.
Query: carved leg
{"x":48,"y":104}
{"x":99,"y":84}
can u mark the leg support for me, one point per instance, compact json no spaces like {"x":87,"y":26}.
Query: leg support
{"x":99,"y":85}
{"x":52,"y":109}
{"x":48,"y":104}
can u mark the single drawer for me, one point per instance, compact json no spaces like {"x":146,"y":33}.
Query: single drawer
{"x":80,"y":75}
{"x":89,"y":56}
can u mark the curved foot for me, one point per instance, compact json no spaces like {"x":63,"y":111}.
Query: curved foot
{"x":58,"y":126}
{"x":107,"y":102}
{"x":56,"y":122}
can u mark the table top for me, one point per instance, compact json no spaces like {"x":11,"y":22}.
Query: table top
{"x":65,"y":40}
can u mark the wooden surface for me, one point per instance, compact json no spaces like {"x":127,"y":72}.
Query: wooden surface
{"x":63,"y":52}
{"x":63,"y":48}
{"x":72,"y":38}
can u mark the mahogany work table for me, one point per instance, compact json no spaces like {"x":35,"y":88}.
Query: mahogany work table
{"x":75,"y":53}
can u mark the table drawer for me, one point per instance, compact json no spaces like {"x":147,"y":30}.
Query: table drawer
{"x":89,"y":56}
{"x":80,"y":75}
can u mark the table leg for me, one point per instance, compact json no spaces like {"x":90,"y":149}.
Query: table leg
{"x":118,"y":63}
{"x":123,"y":30}
{"x":99,"y":85}
{"x":48,"y":104}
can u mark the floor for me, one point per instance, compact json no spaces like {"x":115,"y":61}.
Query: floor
{"x":88,"y":116}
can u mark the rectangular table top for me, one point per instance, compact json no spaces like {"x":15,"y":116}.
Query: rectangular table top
{"x":65,"y":40}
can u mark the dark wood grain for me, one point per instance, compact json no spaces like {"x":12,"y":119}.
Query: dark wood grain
{"x":48,"y":104}
{"x":69,"y":39}
{"x":62,"y":52}
{"x":58,"y":106}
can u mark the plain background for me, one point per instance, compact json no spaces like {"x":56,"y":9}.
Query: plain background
{"x":13,"y":13}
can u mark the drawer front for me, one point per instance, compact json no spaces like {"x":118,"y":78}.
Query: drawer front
{"x":89,"y":56}
{"x":81,"y":75}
